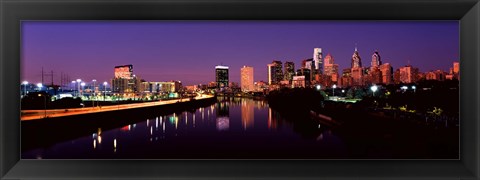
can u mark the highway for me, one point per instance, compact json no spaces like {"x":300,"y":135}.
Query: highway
{"x":40,"y":114}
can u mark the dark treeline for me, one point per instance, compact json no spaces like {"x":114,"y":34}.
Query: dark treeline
{"x":367,"y":135}
{"x":42,"y":100}
{"x":427,"y":97}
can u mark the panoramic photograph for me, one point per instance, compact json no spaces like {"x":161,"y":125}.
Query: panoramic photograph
{"x":240,"y":90}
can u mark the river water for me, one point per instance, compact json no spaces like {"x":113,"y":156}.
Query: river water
{"x":232,"y":128}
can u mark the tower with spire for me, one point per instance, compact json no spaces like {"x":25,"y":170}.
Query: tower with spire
{"x":356,"y":60}
{"x":376,"y":60}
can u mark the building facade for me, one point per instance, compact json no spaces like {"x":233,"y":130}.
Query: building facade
{"x":289,"y":71}
{"x":408,"y":74}
{"x":356,"y":60}
{"x":125,"y":83}
{"x":221,"y":76}
{"x":246,"y":81}
{"x":318,"y":60}
{"x":387,"y":73}
{"x":275,"y":74}
{"x":376,"y":60}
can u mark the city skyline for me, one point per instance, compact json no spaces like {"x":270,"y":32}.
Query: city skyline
{"x":189,"y":50}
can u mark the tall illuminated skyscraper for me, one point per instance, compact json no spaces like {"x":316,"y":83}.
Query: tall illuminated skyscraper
{"x":289,"y":71}
{"x":318,"y":60}
{"x":330,"y":68}
{"x":275,"y":74}
{"x":408,"y":74}
{"x":356,"y":60}
{"x":376,"y":60}
{"x":357,"y":70}
{"x":125,"y":82}
{"x":387,"y":73}
{"x":221,"y":76}
{"x":246,"y":81}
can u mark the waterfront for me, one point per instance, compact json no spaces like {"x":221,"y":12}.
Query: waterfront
{"x":234,"y":128}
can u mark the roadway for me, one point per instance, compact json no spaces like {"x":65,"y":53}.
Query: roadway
{"x":27,"y":115}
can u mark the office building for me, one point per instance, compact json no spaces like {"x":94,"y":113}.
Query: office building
{"x":246,"y":81}
{"x":275,"y":74}
{"x":221,"y":76}
{"x":125,"y":83}
{"x":289,"y":71}
{"x":306,"y":73}
{"x":376,"y":60}
{"x":298,"y":81}
{"x":387,"y":73}
{"x":408,"y":74}
{"x":356,"y":60}
{"x":317,"y":59}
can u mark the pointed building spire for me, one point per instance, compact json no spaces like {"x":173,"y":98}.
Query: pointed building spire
{"x":356,"y":47}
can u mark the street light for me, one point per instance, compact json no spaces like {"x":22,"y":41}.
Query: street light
{"x":25,"y":87}
{"x":83,"y":87}
{"x":104,"y":89}
{"x":334,"y":86}
{"x":374,"y":88}
{"x":74,"y":93}
{"x":78,"y":87}
{"x":39,"y":85}
{"x":414,"y":88}
{"x":94,"y":95}
{"x":318,"y":87}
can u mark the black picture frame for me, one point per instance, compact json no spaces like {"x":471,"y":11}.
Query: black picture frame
{"x":14,"y":11}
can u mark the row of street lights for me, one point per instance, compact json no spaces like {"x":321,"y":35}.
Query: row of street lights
{"x":82,"y":84}
{"x":79,"y":84}
{"x":373,"y":88}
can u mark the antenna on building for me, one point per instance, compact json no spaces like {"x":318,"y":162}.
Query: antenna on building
{"x":356,"y":47}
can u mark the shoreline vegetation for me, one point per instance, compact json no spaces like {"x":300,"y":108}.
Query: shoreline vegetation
{"x":368,"y":130}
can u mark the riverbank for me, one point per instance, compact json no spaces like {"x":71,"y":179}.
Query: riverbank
{"x":27,"y":115}
{"x":370,"y":134}
{"x":44,"y":132}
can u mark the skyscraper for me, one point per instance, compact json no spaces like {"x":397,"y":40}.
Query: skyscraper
{"x":376,"y":60}
{"x":246,"y":81}
{"x":124,"y":81}
{"x":330,"y":68}
{"x":221,"y":76}
{"x":275,"y":74}
{"x":305,"y":72}
{"x":387,"y":73}
{"x":357,"y":70}
{"x":456,"y":70}
{"x":408,"y":74}
{"x":289,"y":71}
{"x":317,"y":58}
{"x":356,"y":60}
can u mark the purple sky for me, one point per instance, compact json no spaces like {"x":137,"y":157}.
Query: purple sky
{"x":189,"y":50}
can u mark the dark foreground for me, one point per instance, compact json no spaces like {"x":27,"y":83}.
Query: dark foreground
{"x":238,"y":128}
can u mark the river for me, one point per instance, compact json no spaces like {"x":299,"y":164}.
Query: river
{"x":231,"y":128}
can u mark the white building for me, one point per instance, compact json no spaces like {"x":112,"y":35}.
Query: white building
{"x":246,"y":81}
{"x":317,"y":58}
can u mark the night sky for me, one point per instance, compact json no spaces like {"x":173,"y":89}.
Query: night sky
{"x":189,"y":50}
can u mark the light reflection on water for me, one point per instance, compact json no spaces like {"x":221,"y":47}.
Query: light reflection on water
{"x":232,"y":128}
